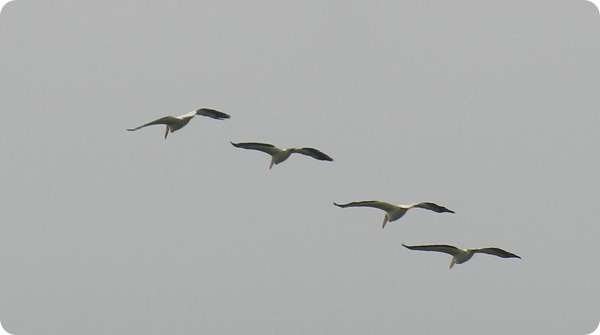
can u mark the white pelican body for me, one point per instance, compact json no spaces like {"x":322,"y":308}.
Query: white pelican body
{"x":394,"y":212}
{"x":175,"y":123}
{"x":279,"y":155}
{"x":460,"y":256}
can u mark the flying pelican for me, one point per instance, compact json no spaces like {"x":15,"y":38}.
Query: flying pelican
{"x":175,"y":123}
{"x":460,"y":256}
{"x":394,"y":212}
{"x":279,"y":155}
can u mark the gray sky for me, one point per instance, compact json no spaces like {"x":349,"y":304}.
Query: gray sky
{"x":489,"y":109}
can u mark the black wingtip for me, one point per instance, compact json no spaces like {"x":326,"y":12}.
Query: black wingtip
{"x":325,"y":157}
{"x":446,"y":210}
{"x":511,"y":255}
{"x":216,"y":114}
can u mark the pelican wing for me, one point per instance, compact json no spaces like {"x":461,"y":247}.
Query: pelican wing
{"x":212,"y":113}
{"x":496,"y":252}
{"x":433,"y":207}
{"x":447,"y":249}
{"x":314,"y":153}
{"x":264,"y":147}
{"x":369,"y":203}
{"x":163,"y":120}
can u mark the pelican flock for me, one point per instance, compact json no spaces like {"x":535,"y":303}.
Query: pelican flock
{"x":279,"y":155}
{"x":175,"y":123}
{"x":460,"y":256}
{"x":394,"y":212}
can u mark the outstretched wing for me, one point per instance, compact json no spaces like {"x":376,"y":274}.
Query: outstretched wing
{"x":447,"y":249}
{"x":314,"y":153}
{"x":212,"y":113}
{"x":496,"y":252}
{"x":433,"y":207}
{"x":264,"y":147}
{"x":369,"y":203}
{"x":168,"y":120}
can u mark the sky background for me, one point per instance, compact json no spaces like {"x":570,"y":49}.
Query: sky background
{"x":487,"y":108}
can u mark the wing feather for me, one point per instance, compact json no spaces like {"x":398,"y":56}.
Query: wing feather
{"x":314,"y":153}
{"x":433,"y":207}
{"x":212,"y":113}
{"x":368,"y":203}
{"x":168,"y":120}
{"x":447,"y":249}
{"x":264,"y":147}
{"x":496,"y":252}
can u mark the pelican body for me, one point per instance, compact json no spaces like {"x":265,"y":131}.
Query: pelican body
{"x":395,"y":212}
{"x":174,"y":123}
{"x":460,"y":256}
{"x":279,"y":155}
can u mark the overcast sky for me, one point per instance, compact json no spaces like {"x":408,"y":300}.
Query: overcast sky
{"x":487,"y":108}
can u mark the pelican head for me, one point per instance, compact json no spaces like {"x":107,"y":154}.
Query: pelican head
{"x":452,"y":262}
